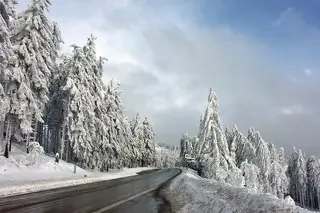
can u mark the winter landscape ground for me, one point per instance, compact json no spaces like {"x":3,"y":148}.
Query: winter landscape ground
{"x":57,"y":114}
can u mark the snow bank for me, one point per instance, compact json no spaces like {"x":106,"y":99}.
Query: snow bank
{"x":189,"y":193}
{"x":24,"y":173}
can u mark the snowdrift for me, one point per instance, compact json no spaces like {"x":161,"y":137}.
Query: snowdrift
{"x":189,"y":193}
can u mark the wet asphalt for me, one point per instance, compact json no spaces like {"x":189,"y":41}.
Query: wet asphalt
{"x":95,"y":197}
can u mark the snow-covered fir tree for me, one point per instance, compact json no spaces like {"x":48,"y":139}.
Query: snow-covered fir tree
{"x":251,"y":136}
{"x":277,"y":175}
{"x":81,"y":118}
{"x":166,"y":156}
{"x":313,"y":178}
{"x":135,"y":127}
{"x":297,"y":171}
{"x":241,"y":147}
{"x":147,"y":137}
{"x":184,"y":148}
{"x":32,"y":37}
{"x":251,"y":176}
{"x":262,"y":161}
{"x":117,"y":129}
{"x":213,"y":152}
{"x":7,"y":81}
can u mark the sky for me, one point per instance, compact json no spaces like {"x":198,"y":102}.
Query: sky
{"x":260,"y":57}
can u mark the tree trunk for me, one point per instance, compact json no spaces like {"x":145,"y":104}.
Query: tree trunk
{"x":28,"y":140}
{"x":8,"y":132}
{"x":6,"y":151}
{"x":2,"y":137}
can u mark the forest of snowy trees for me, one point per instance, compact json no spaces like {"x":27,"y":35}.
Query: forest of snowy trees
{"x":167,"y":156}
{"x":59,"y":100}
{"x":249,"y":161}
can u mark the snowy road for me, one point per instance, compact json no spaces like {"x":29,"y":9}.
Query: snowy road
{"x":104,"y":196}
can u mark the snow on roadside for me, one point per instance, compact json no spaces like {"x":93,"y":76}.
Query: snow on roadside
{"x":25,"y":173}
{"x":189,"y":193}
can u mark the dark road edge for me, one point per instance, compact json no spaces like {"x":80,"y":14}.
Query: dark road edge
{"x":163,"y":207}
{"x":88,"y":197}
{"x":166,"y":206}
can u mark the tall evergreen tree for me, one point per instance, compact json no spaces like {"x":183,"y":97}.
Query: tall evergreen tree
{"x":251,"y":176}
{"x":212,"y":141}
{"x":243,"y":149}
{"x":135,"y":127}
{"x":313,"y":171}
{"x":114,"y":120}
{"x":298,"y":176}
{"x":148,"y":138}
{"x":262,"y":160}
{"x":33,"y":40}
{"x":7,"y":81}
{"x":81,"y":118}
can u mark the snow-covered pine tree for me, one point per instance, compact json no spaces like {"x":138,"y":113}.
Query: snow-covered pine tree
{"x":97,"y":91}
{"x":243,"y":149}
{"x":292,"y":165}
{"x":57,"y":112}
{"x":298,"y":176}
{"x":277,"y":177}
{"x":33,"y":40}
{"x":213,"y":145}
{"x":251,"y":176}
{"x":229,"y":137}
{"x":232,"y":142}
{"x":81,"y":117}
{"x":313,"y":172}
{"x":135,"y":127}
{"x":132,"y":147}
{"x":262,"y":161}
{"x":7,"y":82}
{"x":284,"y":168}
{"x":184,"y":148}
{"x":302,"y":177}
{"x":201,"y":125}
{"x":251,"y":136}
{"x":166,"y":156}
{"x":57,"y":77}
{"x":118,"y":130}
{"x":148,"y":138}
{"x":194,"y":141}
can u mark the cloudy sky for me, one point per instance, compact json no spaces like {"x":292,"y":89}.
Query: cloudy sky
{"x":260,"y":57}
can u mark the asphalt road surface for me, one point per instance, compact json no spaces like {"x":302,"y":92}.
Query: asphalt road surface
{"x":150,"y":202}
{"x":131,"y":194}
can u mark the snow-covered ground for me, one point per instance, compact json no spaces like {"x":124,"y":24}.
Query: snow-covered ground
{"x":24,"y":173}
{"x":189,"y":193}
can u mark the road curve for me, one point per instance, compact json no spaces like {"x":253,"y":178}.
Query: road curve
{"x":95,"y":197}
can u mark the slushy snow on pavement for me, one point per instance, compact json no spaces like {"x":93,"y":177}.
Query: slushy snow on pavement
{"x":25,"y":173}
{"x":189,"y":193}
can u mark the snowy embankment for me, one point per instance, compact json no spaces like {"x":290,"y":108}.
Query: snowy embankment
{"x":25,"y":173}
{"x":189,"y":193}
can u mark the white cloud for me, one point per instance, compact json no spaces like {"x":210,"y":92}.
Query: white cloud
{"x":307,"y":72}
{"x":289,"y":16}
{"x":293,"y":110}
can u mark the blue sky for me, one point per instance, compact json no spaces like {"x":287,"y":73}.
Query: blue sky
{"x":289,"y":27}
{"x":260,"y":57}
{"x":257,"y":16}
